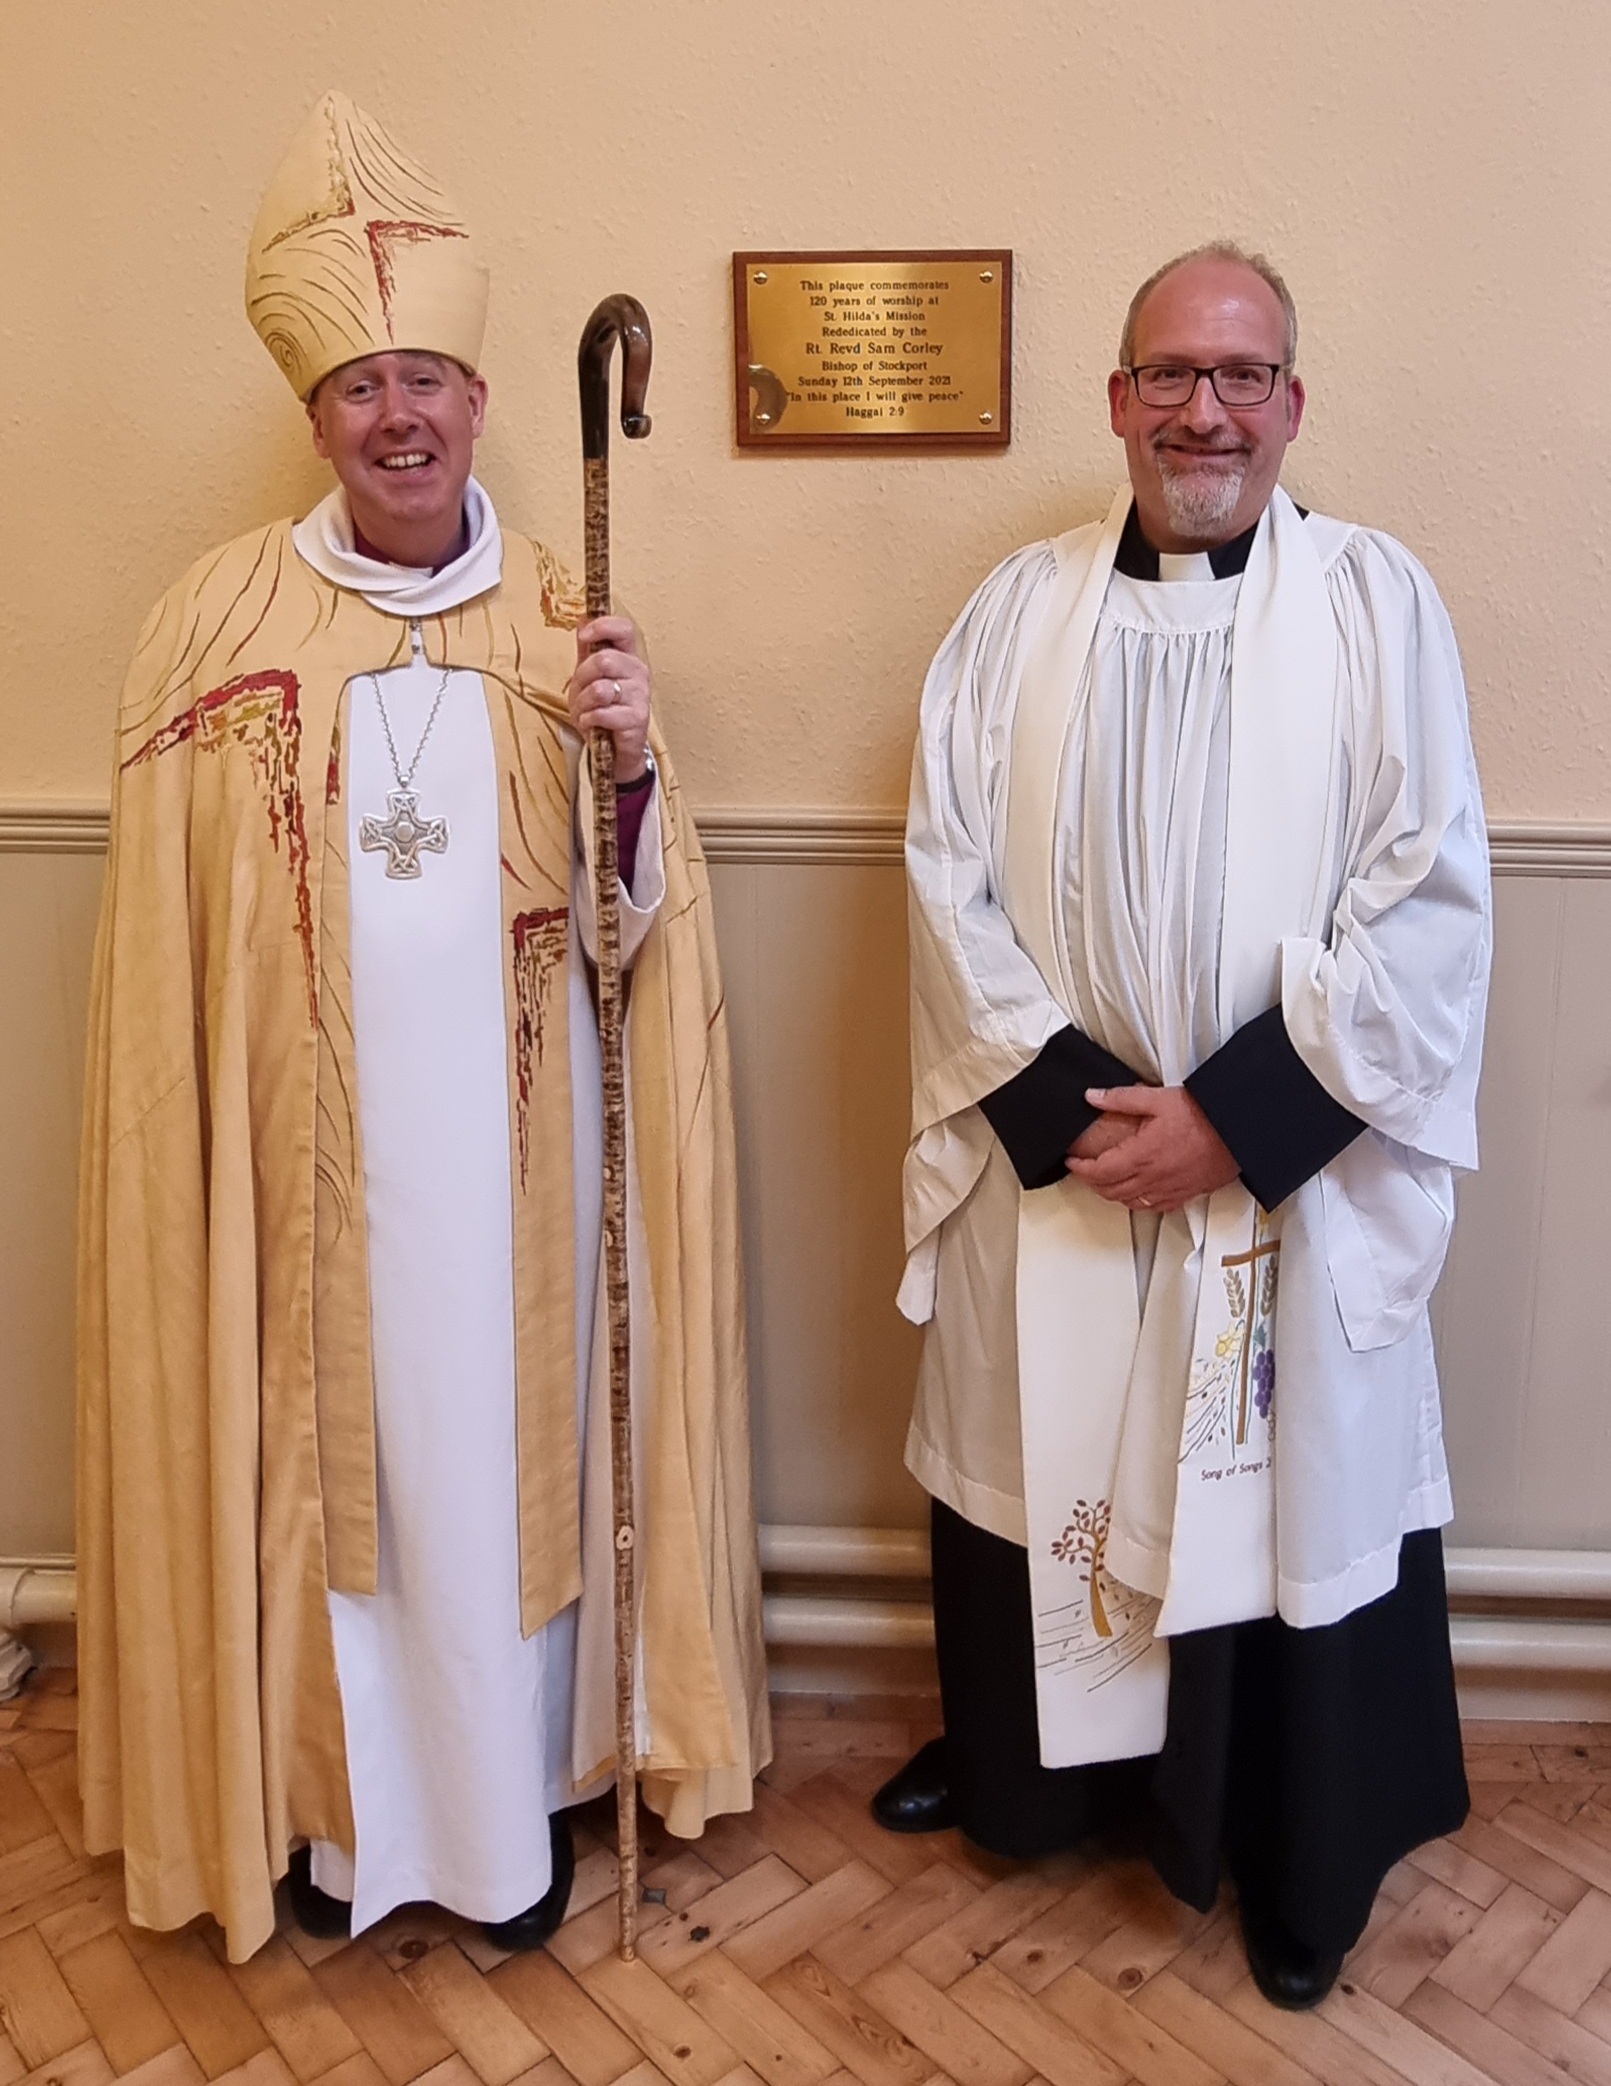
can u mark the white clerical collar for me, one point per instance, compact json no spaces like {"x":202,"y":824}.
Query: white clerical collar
{"x":324,"y":540}
{"x":1189,"y":565}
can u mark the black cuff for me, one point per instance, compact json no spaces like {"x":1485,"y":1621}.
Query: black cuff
{"x":1278,"y":1120}
{"x":1040,"y":1111}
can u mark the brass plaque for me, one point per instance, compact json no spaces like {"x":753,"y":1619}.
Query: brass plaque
{"x":873,"y":350}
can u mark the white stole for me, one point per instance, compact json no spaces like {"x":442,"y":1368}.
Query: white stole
{"x":1151,"y":1501}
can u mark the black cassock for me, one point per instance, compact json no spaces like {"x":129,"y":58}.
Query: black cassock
{"x":1307,"y":1761}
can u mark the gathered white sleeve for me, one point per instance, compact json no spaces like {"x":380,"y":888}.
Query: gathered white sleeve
{"x":1387,"y":1013}
{"x":980,"y":1008}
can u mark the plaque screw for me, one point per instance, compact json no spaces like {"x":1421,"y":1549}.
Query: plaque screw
{"x":987,"y":274}
{"x":987,"y":418}
{"x":760,"y":275}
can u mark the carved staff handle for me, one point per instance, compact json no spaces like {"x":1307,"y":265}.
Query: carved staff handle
{"x":622,"y":319}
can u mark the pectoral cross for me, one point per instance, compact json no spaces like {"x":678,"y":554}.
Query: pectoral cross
{"x":1249,"y":1260}
{"x":403,"y":833}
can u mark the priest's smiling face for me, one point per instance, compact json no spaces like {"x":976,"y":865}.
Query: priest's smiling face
{"x":400,"y":430}
{"x":1204,"y":471}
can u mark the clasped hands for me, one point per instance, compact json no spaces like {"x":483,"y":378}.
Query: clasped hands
{"x":609,"y":691}
{"x":1151,"y":1148}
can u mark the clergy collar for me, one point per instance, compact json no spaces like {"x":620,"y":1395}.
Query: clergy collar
{"x":324,"y":540}
{"x":1137,"y":559}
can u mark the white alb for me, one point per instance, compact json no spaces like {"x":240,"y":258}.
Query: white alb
{"x":462,"y":1735}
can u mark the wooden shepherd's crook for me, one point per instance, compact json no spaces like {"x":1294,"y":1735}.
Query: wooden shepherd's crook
{"x":624,"y":319}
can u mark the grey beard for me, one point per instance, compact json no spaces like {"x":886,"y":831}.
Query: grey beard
{"x":1199,"y":502}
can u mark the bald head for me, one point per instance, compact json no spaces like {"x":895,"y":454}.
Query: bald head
{"x":1228,"y":251}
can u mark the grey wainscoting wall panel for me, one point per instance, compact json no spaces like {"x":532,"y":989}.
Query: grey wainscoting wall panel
{"x":47,"y":925}
{"x":811,"y":916}
{"x":1524,"y":1311}
{"x":814,"y":959}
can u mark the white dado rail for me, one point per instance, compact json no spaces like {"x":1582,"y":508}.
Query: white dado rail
{"x":729,"y":835}
{"x":733,"y":834}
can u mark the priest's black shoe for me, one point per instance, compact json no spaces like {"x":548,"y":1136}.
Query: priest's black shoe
{"x":317,"y":1913}
{"x":1286,"y":1970}
{"x":918,"y":1799}
{"x":534,"y":1926}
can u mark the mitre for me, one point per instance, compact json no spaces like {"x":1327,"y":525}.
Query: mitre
{"x":356,"y":251}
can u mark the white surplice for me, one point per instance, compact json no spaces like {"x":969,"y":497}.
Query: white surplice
{"x":461,"y":1735}
{"x":1383,"y":1002}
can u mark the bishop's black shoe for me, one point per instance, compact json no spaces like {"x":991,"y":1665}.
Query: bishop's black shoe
{"x":534,"y":1926}
{"x":317,"y":1913}
{"x":918,"y":1799}
{"x":1286,"y":1970}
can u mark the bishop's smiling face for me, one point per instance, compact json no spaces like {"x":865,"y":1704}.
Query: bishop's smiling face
{"x":400,"y":431}
{"x":1203,"y":471}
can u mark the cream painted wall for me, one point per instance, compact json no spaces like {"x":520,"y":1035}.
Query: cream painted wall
{"x":1430,"y":172}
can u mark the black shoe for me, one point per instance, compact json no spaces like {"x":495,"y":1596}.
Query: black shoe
{"x":918,"y":1799}
{"x":534,"y":1926}
{"x":314,"y":1910}
{"x":1286,"y":1970}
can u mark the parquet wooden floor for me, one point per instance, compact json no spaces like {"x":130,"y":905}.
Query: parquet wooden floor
{"x":802,"y":1946}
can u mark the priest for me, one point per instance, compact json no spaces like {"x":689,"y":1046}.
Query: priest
{"x":344,"y":1520}
{"x":1200,"y":946}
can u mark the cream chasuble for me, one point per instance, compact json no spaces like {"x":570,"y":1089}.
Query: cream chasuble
{"x":1156,"y":810}
{"x":248,"y":1446}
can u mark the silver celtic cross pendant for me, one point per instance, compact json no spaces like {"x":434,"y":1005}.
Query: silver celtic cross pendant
{"x":403,"y":833}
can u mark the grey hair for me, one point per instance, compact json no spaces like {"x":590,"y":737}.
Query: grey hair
{"x":1213,"y":250}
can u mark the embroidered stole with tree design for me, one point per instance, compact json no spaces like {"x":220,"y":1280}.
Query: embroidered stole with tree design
{"x":1149,"y":1492}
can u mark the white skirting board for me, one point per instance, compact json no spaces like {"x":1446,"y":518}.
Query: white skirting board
{"x":1553,"y":1666}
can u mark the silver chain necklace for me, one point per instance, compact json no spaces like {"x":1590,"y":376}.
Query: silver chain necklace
{"x":403,"y":832}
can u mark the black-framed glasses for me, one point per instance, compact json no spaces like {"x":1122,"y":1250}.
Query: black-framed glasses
{"x":1175,"y":383}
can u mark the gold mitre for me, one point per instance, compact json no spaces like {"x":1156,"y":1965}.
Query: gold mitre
{"x":356,"y":251}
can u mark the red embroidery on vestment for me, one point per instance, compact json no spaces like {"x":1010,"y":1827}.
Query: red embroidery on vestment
{"x":384,"y":239}
{"x":258,"y":713}
{"x":541,"y":939}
